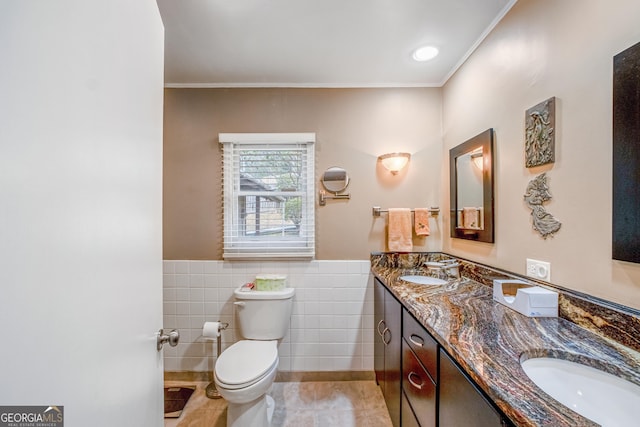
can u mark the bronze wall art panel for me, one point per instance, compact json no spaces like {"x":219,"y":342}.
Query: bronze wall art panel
{"x":540,"y":134}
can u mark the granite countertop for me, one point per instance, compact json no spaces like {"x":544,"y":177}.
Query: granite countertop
{"x":489,"y":340}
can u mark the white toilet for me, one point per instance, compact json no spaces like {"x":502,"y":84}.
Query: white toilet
{"x":245,"y":371}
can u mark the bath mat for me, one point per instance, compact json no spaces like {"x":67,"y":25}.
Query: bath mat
{"x":175,"y":399}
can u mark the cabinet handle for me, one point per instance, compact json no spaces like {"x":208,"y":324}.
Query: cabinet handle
{"x":381,"y":322}
{"x":420,"y":341}
{"x":413,"y":383}
{"x":384,"y":335}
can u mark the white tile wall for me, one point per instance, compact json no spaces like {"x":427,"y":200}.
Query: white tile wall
{"x":331,"y":325}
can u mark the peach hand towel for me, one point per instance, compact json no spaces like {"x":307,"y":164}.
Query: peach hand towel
{"x":400,"y":230}
{"x":471,"y":217}
{"x":421,"y":221}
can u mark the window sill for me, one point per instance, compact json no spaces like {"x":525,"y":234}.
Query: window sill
{"x":267,"y":256}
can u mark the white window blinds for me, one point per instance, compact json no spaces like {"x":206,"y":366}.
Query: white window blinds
{"x":268,"y":195}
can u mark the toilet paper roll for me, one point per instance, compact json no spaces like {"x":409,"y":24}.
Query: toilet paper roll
{"x":211,"y":329}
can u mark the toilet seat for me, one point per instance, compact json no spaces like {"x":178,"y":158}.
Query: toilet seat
{"x":246,"y":362}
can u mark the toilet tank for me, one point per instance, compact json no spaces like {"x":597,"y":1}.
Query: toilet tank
{"x":264,"y":315}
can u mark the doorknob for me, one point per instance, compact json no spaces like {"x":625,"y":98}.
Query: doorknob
{"x":172,"y":337}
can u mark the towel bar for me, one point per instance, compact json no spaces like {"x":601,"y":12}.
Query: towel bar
{"x":377,"y":211}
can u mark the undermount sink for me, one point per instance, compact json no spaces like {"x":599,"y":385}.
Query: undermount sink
{"x":424,"y":280}
{"x":604,"y":398}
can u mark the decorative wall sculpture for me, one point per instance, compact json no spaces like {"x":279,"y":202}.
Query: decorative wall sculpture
{"x":539,"y":135}
{"x":537,"y":193}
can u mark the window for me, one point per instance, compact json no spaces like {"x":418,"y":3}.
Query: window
{"x":268,"y":195}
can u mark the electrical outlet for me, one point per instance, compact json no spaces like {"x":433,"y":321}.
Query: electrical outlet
{"x":540,"y":270}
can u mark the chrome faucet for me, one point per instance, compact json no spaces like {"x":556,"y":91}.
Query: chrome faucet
{"x":435,"y":269}
{"x":451,"y":268}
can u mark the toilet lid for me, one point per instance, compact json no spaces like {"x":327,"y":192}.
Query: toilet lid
{"x":246,"y":361}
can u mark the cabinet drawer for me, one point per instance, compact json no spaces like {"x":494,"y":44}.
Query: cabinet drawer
{"x":418,"y":387}
{"x":422,"y":343}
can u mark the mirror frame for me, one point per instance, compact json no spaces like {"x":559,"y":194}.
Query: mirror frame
{"x":485,"y":139}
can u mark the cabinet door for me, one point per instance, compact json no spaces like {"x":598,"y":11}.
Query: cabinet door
{"x":408,"y":417}
{"x":393,"y":356}
{"x":460,"y":403}
{"x":379,"y":324}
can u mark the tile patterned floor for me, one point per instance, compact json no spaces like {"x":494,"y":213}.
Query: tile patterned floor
{"x":299,"y":404}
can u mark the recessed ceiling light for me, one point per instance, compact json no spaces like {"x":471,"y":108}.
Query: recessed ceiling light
{"x":425,"y":53}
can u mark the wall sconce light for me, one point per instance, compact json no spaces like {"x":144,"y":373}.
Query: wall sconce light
{"x":394,"y":162}
{"x":477,"y":159}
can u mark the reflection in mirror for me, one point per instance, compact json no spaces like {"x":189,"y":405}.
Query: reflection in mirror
{"x":469,"y":173}
{"x":335,"y":180}
{"x":471,"y":176}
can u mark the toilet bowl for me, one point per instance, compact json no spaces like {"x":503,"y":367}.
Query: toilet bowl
{"x":243,"y":375}
{"x":245,"y":371}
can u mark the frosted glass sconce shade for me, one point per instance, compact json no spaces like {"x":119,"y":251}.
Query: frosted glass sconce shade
{"x":477,"y":160}
{"x":394,"y":162}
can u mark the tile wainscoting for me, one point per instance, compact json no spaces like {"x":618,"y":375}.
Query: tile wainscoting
{"x":331,"y":326}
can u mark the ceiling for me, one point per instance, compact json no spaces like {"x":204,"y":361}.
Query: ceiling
{"x":320,"y":43}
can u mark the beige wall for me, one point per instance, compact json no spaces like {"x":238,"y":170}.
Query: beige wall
{"x":353,"y":127}
{"x":542,"y":48}
{"x":547,"y":48}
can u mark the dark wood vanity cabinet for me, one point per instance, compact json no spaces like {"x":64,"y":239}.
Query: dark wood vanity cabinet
{"x":419,"y":373}
{"x":378,"y":344}
{"x":421,"y":384}
{"x":428,"y":371}
{"x":460,"y":403}
{"x":388,"y":348}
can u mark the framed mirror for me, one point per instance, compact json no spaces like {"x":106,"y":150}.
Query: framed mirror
{"x":626,"y":155}
{"x":335,"y":180}
{"x":471,"y":188}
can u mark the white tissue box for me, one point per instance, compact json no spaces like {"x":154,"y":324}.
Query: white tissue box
{"x":530,"y":300}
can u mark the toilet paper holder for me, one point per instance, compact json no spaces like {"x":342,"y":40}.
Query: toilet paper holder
{"x":211,"y":330}
{"x":211,"y":391}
